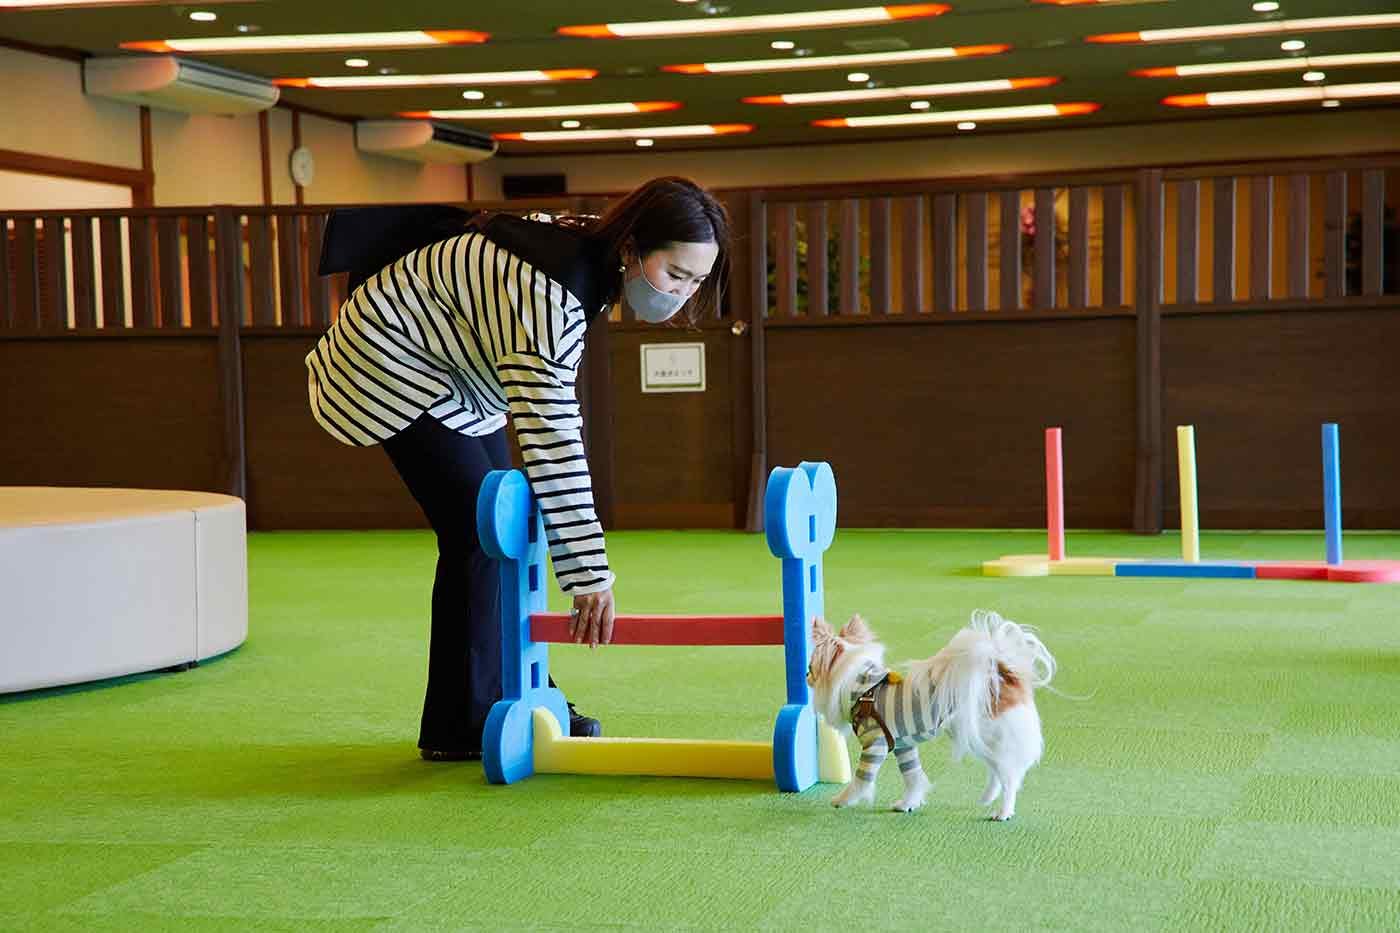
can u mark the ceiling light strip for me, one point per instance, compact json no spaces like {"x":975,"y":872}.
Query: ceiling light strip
{"x":1029,"y":112}
{"x":654,"y":132}
{"x":59,"y":4}
{"x":624,"y":108}
{"x":899,"y":93}
{"x":1301,"y":63}
{"x":365,"y":82}
{"x":1285,"y":95}
{"x":720,"y":25}
{"x":815,"y":62}
{"x":1237,"y":30}
{"x":413,"y":38}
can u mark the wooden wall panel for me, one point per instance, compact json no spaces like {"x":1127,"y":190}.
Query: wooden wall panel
{"x":298,"y":475}
{"x":674,"y":450}
{"x":110,"y":411}
{"x":943,"y":425}
{"x":1258,"y":387}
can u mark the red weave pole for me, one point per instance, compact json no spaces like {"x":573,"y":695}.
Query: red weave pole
{"x":1054,"y":494}
{"x":669,"y":630}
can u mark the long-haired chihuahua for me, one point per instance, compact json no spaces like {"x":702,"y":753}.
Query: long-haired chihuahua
{"x":979,"y":689}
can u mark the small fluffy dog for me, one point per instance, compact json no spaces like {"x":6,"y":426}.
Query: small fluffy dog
{"x":979,"y":689}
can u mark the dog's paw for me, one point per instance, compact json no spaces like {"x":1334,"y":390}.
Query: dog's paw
{"x":853,"y":794}
{"x":1001,"y":817}
{"x":906,"y":805}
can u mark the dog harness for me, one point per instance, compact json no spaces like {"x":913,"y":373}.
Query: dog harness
{"x":864,"y":709}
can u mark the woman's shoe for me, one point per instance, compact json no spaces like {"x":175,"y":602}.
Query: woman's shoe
{"x":583,"y":727}
{"x":449,"y":754}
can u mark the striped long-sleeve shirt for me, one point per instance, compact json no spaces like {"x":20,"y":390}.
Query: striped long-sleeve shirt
{"x":468,"y":332}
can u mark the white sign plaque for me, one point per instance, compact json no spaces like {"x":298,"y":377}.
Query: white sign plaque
{"x":673,"y":367}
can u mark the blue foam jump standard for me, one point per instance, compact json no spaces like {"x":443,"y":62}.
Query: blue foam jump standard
{"x":1215,"y":570}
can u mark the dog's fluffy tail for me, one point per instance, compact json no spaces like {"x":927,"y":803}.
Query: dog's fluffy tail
{"x":965,"y":679}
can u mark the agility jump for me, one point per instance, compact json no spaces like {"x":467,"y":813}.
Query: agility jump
{"x":526,"y":730}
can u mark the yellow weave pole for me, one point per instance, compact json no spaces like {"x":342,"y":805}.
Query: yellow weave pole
{"x":1186,"y":470}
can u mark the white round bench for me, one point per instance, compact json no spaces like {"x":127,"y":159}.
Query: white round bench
{"x":98,"y":583}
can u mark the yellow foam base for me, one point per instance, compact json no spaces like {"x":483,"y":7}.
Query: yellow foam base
{"x":1085,"y":566}
{"x":1017,"y":565}
{"x":833,"y":763}
{"x":556,"y":753}
{"x":1040,"y":565}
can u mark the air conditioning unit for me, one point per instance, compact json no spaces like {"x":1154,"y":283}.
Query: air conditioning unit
{"x":422,"y":141}
{"x":170,"y":83}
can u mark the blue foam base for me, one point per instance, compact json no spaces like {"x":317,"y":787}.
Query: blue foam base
{"x":795,"y":747}
{"x":1203,"y":569}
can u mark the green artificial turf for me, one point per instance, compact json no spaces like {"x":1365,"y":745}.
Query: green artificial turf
{"x":1232,"y":761}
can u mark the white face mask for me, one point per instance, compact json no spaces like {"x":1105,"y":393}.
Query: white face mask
{"x":650,"y":304}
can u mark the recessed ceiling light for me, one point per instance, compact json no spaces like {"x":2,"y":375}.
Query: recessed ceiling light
{"x":1314,"y":76}
{"x":388,"y":71}
{"x":1331,"y":103}
{"x":474,"y":95}
{"x":1261,"y":28}
{"x":646,"y":143}
{"x":249,"y":27}
{"x":1029,"y":112}
{"x":782,"y":45}
{"x":821,"y":19}
{"x":919,"y":105}
{"x":570,"y":124}
{"x":857,"y":76}
{"x":357,"y":63}
{"x":1292,"y":45}
{"x":204,"y":16}
{"x":967,"y":125}
{"x":1265,"y":6}
{"x":804,"y":62}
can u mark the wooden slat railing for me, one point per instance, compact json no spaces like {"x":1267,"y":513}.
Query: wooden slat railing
{"x":1231,"y":236}
{"x":155,"y":269}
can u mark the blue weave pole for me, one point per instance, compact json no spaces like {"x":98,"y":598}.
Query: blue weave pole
{"x":1332,"y":492}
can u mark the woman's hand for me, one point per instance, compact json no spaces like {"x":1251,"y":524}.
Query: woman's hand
{"x":592,"y":618}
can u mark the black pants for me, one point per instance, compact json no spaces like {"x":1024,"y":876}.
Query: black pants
{"x":444,"y":471}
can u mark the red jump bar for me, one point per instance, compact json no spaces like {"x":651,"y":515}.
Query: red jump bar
{"x":669,"y":630}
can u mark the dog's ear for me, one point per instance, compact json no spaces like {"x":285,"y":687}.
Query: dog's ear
{"x":821,"y":630}
{"x":857,"y":631}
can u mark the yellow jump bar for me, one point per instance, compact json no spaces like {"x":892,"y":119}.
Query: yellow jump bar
{"x":556,"y":753}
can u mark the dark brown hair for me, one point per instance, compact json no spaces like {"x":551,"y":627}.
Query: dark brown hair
{"x":653,"y":216}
